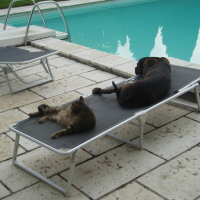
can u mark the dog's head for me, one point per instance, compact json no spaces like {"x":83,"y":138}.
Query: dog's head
{"x":145,"y":64}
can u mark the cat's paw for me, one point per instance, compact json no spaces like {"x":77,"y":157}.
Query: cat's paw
{"x":42,"y":120}
{"x":96,"y":91}
{"x":54,"y":136}
{"x":41,"y":108}
{"x":33,"y":114}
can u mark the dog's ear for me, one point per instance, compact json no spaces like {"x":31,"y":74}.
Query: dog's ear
{"x":141,"y":61}
{"x":150,"y":62}
{"x":168,"y":63}
{"x":140,"y":65}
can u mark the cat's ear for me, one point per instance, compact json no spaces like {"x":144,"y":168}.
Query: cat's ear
{"x":81,"y":99}
{"x":74,"y":106}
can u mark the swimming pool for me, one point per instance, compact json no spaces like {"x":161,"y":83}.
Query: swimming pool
{"x":131,"y":29}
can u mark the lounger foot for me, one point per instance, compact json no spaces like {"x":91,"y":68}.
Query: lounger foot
{"x":142,"y":120}
{"x":66,"y":190}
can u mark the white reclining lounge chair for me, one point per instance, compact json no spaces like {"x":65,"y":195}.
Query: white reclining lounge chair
{"x":109,"y":116}
{"x":13,"y":59}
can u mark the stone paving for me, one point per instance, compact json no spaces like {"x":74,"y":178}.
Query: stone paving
{"x":167,"y":169}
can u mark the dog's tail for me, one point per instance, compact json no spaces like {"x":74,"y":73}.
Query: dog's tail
{"x":117,"y":91}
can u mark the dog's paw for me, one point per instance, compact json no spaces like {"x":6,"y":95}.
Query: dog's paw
{"x":96,"y":91}
{"x":41,"y":108}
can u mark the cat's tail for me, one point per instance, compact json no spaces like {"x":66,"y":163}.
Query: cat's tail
{"x":59,"y":134}
{"x":68,"y":131}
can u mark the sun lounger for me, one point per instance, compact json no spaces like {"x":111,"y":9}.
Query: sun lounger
{"x":190,"y":96}
{"x":109,"y":116}
{"x":13,"y":59}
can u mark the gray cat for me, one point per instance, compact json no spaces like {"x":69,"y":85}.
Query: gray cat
{"x":77,"y":117}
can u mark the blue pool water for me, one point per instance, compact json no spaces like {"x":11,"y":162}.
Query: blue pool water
{"x":132,"y":29}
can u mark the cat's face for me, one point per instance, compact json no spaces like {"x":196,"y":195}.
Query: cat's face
{"x":78,"y":105}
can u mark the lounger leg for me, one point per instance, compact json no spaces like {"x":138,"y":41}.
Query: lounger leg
{"x":39,"y":176}
{"x":8,"y":81}
{"x":47,"y":67}
{"x":71,"y":173}
{"x":9,"y":69}
{"x":196,"y":89}
{"x":124,"y":140}
{"x":142,"y":120}
{"x":15,"y":149}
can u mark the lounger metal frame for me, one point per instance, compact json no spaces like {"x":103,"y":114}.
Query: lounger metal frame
{"x":141,"y":116}
{"x":14,"y":67}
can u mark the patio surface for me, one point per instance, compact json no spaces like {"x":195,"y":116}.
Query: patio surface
{"x":107,"y":169}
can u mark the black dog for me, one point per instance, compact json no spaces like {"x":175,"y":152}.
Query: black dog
{"x":156,"y":82}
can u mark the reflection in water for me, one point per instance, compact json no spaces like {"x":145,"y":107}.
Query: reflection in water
{"x":196,"y":53}
{"x":159,"y":49}
{"x":130,"y":23}
{"x":124,"y":50}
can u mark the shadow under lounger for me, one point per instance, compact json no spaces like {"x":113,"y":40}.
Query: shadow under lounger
{"x":109,"y":116}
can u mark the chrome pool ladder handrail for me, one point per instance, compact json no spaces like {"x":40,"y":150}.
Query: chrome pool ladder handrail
{"x":36,"y":5}
{"x":61,"y":13}
{"x":11,"y":5}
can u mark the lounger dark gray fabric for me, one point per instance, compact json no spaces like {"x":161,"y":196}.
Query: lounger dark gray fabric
{"x":190,"y":96}
{"x":16,"y":55}
{"x":109,"y":115}
{"x":13,"y":59}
